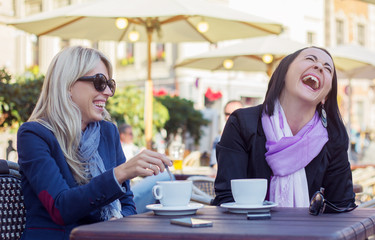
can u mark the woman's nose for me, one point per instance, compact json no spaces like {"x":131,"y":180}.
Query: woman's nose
{"x":107,"y":91}
{"x":318,"y":66}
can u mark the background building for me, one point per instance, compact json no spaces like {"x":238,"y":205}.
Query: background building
{"x":324,"y":23}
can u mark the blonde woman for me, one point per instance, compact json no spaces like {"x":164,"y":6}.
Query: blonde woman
{"x":73,"y":167}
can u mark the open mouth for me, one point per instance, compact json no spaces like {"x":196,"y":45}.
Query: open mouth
{"x":100,"y":104}
{"x":311,"y":81}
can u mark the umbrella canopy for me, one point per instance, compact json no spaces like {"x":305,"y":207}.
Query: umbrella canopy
{"x":154,"y":20}
{"x":171,"y":20}
{"x":246,"y":55}
{"x":353,"y":61}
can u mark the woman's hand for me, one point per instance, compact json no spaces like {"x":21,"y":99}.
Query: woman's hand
{"x":145,"y":163}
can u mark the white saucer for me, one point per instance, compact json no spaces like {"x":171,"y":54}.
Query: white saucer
{"x":240,"y":208}
{"x":190,"y":209}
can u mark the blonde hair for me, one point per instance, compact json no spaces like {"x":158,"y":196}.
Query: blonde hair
{"x":55,"y":109}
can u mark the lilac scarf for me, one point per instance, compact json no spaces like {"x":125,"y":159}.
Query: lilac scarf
{"x":288,"y":155}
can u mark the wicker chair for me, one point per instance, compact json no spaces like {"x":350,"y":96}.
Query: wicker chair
{"x":12,"y":210}
{"x":203,"y":189}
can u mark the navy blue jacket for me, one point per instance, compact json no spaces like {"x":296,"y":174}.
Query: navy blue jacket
{"x":54,"y":202}
{"x":241,"y":154}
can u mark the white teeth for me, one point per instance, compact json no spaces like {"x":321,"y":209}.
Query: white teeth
{"x":102,"y":105}
{"x":310,"y":77}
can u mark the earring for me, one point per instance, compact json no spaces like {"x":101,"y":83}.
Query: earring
{"x":323,"y":117}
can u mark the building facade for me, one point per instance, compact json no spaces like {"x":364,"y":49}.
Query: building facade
{"x":324,"y":23}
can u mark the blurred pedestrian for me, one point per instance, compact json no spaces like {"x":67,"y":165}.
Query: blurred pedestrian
{"x":142,"y":188}
{"x":229,"y":108}
{"x":10,"y":151}
{"x":127,"y":141}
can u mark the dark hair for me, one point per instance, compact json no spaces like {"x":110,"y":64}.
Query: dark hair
{"x":277,"y":83}
{"x":122,"y":128}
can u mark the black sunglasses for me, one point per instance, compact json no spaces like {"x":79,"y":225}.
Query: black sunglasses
{"x":100,"y":82}
{"x":318,"y":204}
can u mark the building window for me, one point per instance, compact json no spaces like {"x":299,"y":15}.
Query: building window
{"x":339,"y":32}
{"x":125,"y":53}
{"x":61,"y":3}
{"x":159,"y":55}
{"x":33,"y":7}
{"x":361,"y":34}
{"x":14,"y":8}
{"x":311,"y":38}
{"x":95,"y":44}
{"x":130,"y":53}
{"x":7,"y":8}
{"x":360,"y":112}
{"x":64,"y":43}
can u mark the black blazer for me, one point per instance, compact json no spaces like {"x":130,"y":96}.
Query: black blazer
{"x":241,"y":154}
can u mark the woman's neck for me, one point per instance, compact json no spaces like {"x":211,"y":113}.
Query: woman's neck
{"x":297,"y":113}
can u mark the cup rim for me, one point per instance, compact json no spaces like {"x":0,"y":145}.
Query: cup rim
{"x":174,"y":181}
{"x":249,"y":180}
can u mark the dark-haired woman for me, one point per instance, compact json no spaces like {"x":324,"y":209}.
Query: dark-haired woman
{"x":296,"y":139}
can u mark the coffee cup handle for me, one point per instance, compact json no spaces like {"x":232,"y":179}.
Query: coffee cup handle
{"x":157,"y":192}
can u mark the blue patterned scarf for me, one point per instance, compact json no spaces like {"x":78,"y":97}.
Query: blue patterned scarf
{"x":88,"y":149}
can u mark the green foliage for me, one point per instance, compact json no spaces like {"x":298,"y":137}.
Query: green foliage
{"x":183,"y":115}
{"x":127,"y":105}
{"x":18,"y":98}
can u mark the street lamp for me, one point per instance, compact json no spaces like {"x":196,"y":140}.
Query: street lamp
{"x":202,"y":26}
{"x":267,"y":58}
{"x":228,"y":63}
{"x":121,"y":23}
{"x":133,"y":35}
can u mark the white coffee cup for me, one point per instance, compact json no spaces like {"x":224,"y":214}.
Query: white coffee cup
{"x":249,"y":191}
{"x":173,"y":193}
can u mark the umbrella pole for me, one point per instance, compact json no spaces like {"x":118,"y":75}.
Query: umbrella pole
{"x":269,"y":70}
{"x":148,"y":94}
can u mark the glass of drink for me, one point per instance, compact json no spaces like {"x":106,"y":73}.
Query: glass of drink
{"x":177,"y":156}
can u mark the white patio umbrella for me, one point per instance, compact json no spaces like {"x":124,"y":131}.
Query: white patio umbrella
{"x":154,"y":20}
{"x":248,"y":55}
{"x":353,"y":61}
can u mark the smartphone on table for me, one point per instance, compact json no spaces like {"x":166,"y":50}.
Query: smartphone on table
{"x":192,"y":222}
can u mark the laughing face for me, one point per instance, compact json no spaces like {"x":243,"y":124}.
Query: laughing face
{"x":309,"y":77}
{"x":88,"y":99}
